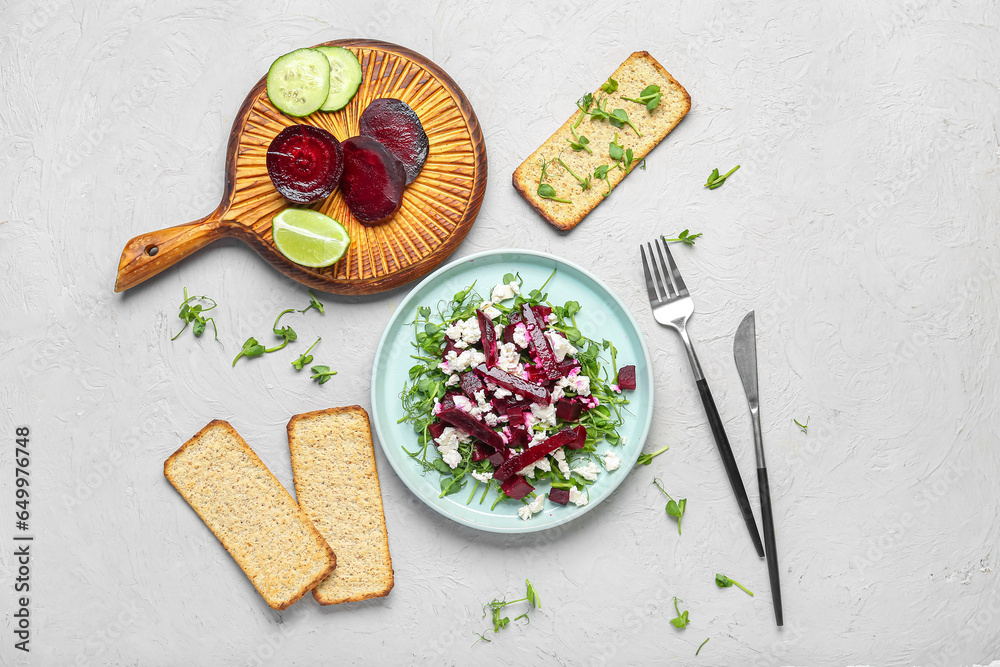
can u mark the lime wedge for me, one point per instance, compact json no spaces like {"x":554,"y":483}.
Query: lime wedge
{"x":308,"y":237}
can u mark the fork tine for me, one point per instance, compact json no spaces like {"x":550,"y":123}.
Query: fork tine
{"x":661,"y":267}
{"x":654,"y":298}
{"x":678,"y":281}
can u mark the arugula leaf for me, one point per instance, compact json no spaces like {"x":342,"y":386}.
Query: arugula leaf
{"x":305,"y":357}
{"x":683,"y":237}
{"x":646,"y":459}
{"x":321,"y":374}
{"x":722,"y":581}
{"x":682,"y":618}
{"x":192,"y":314}
{"x":673,"y":508}
{"x":313,"y":303}
{"x":609,"y":86}
{"x":715,"y":181}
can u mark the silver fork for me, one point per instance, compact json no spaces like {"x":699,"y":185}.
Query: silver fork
{"x":672,"y":307}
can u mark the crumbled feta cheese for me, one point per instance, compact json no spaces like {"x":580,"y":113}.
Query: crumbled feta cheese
{"x":560,"y":345}
{"x":538,"y":437}
{"x":544,"y":464}
{"x":615,"y":388}
{"x":589,"y":472}
{"x":518,"y":371}
{"x":577,"y":497}
{"x":529,"y":418}
{"x":500,"y":392}
{"x":451,"y":437}
{"x":456,"y":363}
{"x":452,"y":458}
{"x":481,"y":401}
{"x":508,"y":357}
{"x":557,"y":393}
{"x":464,"y":332}
{"x":544,"y":414}
{"x":503,"y":292}
{"x":465,"y":405}
{"x":534,"y":507}
{"x":576,"y":381}
{"x":527,"y":471}
{"x":489,"y":310}
{"x":491,"y":418}
{"x":482,"y":476}
{"x":453,"y":379}
{"x":498,"y":331}
{"x":611,"y":460}
{"x":551,"y":318}
{"x":560,"y":456}
{"x":521,"y":335}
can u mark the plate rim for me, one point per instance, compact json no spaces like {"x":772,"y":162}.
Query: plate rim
{"x":523,"y":526}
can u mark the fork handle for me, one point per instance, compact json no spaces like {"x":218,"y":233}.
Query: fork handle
{"x":729,"y":461}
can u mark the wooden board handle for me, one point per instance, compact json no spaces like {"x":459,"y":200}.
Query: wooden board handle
{"x":148,"y":254}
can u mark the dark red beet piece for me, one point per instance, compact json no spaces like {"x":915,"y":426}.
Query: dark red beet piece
{"x":373,"y":180}
{"x":397,"y":127}
{"x":568,"y":365}
{"x":516,"y":487}
{"x":568,"y":410}
{"x":470,"y":384}
{"x":436,"y":429}
{"x":496,"y":458}
{"x":566,"y":437}
{"x":508,"y":333}
{"x":488,"y":337}
{"x":542,"y":313}
{"x":559,"y":496}
{"x":581,"y":438}
{"x":472,"y":426}
{"x":449,"y":345}
{"x":481,"y":452}
{"x":539,"y":343}
{"x":305,"y":163}
{"x":519,"y":386}
{"x":626,"y":377}
{"x":537,"y":374}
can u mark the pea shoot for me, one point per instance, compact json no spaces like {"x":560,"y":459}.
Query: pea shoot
{"x":495,"y":606}
{"x":305,"y":358}
{"x":722,"y":581}
{"x":674,"y":508}
{"x":619,"y":118}
{"x":321,"y":374}
{"x":684,"y":237}
{"x":584,"y":182}
{"x":583,"y":104}
{"x":609,"y":86}
{"x":192,"y":314}
{"x":546,"y":191}
{"x":602,"y":173}
{"x":804,"y":427}
{"x":682,"y":617}
{"x":252,"y":348}
{"x":579,"y":142}
{"x":649,"y":97}
{"x":646,"y":459}
{"x":314,"y":303}
{"x":715,"y":181}
{"x":702,"y":644}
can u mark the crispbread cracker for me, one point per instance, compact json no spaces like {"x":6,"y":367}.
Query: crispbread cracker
{"x":253,"y":516}
{"x":336,"y":483}
{"x":637,"y":72}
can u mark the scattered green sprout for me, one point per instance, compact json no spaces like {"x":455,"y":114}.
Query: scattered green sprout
{"x":683,"y":237}
{"x":674,"y":508}
{"x":646,"y":459}
{"x":252,"y":348}
{"x":722,"y":581}
{"x":649,"y":97}
{"x":804,"y":427}
{"x":682,"y":617}
{"x":584,"y":182}
{"x":579,"y":142}
{"x":546,"y":191}
{"x":305,"y":358}
{"x":192,"y":314}
{"x":321,"y":374}
{"x":495,"y":606}
{"x":715,"y":181}
{"x":702,"y":644}
{"x":313,"y":303}
{"x":609,"y":86}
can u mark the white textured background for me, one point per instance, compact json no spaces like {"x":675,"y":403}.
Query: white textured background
{"x":862,"y":227}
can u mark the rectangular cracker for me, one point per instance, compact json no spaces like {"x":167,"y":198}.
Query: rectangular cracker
{"x":637,"y":72}
{"x":251,"y":513}
{"x":336,"y":483}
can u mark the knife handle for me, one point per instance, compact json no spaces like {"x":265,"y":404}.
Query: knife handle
{"x":772,"y":553}
{"x":729,"y":461}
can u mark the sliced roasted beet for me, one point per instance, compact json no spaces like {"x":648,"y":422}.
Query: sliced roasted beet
{"x":542,"y":312}
{"x":539,"y":343}
{"x":508,"y":333}
{"x":436,"y":429}
{"x":373,"y":180}
{"x":488,"y":338}
{"x":449,"y":346}
{"x":447,"y":402}
{"x":470,"y":384}
{"x":515,"y":318}
{"x":305,"y":163}
{"x":397,"y":127}
{"x":564,"y":438}
{"x":537,"y":374}
{"x":516,"y":487}
{"x":568,"y":410}
{"x":568,"y":365}
{"x":496,"y":458}
{"x":580,"y":440}
{"x":472,"y":426}
{"x":559,"y":496}
{"x":626,"y":377}
{"x":519,"y":386}
{"x":481,"y":452}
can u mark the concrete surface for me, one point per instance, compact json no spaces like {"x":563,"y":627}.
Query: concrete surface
{"x":862,"y":227}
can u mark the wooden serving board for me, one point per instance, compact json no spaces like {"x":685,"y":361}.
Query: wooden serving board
{"x":438,"y":208}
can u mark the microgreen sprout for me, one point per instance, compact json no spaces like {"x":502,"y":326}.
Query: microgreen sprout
{"x":674,"y":508}
{"x":251,"y":348}
{"x":682,"y":618}
{"x":321,"y":374}
{"x":192,"y":314}
{"x":804,"y":427}
{"x":609,"y":86}
{"x":495,"y":606}
{"x":646,"y":459}
{"x":702,"y":644}
{"x":649,"y":97}
{"x":722,"y":581}
{"x":579,"y":142}
{"x":615,"y":150}
{"x":305,"y":358}
{"x":313,"y":303}
{"x":683,"y":237}
{"x":602,"y":172}
{"x":546,"y":191}
{"x":584,"y":182}
{"x":619,"y":118}
{"x":715,"y":181}
{"x":583,"y":104}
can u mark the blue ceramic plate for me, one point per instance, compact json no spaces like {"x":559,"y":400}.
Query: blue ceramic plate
{"x":602,"y":315}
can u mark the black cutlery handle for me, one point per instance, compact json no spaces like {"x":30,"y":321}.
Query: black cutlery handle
{"x":729,"y":461}
{"x":772,"y":553}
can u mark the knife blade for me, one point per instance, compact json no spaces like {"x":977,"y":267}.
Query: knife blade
{"x":745,"y":351}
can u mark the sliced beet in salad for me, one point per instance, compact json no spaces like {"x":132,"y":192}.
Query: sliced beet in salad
{"x":508,"y":393}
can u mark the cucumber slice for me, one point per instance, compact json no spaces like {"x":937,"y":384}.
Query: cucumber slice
{"x":345,"y":76}
{"x":298,"y":83}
